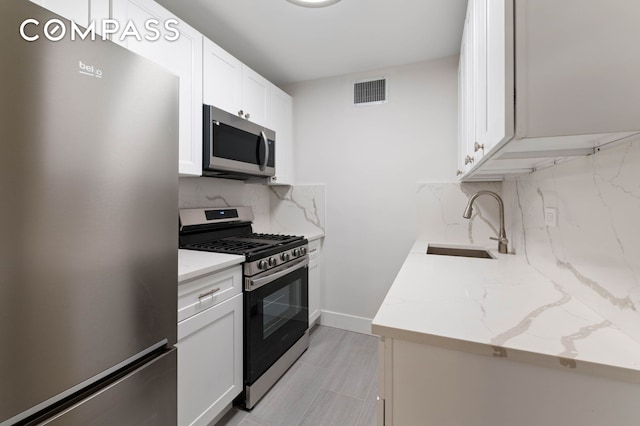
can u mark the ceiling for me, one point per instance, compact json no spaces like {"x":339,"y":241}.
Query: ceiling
{"x":287,"y":43}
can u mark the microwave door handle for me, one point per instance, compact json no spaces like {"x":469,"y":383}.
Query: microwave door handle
{"x":210,"y":160}
{"x":265,"y":141}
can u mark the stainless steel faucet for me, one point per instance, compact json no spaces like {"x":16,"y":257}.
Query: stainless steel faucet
{"x":502,"y":236}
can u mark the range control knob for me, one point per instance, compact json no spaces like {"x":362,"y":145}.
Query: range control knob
{"x":262,"y":264}
{"x":284,"y":257}
{"x":303,"y":250}
{"x":296,"y":252}
{"x":272,"y":261}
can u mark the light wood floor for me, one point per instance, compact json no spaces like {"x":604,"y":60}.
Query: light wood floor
{"x":333,"y":383}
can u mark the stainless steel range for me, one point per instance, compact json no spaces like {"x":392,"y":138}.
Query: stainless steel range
{"x":276,"y":296}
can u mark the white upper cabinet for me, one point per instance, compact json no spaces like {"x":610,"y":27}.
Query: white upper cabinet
{"x":76,"y":11}
{"x":100,"y":9}
{"x":256,"y":92}
{"x":494,"y":97}
{"x":281,"y":121}
{"x":222,"y":79}
{"x":82,"y":12}
{"x":232,"y":86}
{"x":183,"y":57}
{"x":467,"y":94}
{"x":549,"y":83}
{"x":485,"y":80}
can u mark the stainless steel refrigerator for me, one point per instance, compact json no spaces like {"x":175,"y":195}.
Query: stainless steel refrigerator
{"x":88,"y":230}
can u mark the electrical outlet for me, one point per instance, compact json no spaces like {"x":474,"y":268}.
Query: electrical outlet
{"x":551,"y":216}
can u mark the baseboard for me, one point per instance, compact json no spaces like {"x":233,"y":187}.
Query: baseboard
{"x":346,"y":322}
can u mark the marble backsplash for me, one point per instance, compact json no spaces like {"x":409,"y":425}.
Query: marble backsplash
{"x":440,"y":208}
{"x":212,"y":192}
{"x":594,"y":252}
{"x":298,"y":210}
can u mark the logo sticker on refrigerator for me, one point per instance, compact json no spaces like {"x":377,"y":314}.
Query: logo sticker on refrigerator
{"x":89,"y":70}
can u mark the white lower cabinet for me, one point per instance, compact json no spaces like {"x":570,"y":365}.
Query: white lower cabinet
{"x":315,"y":280}
{"x":420,"y":384}
{"x":209,"y":352}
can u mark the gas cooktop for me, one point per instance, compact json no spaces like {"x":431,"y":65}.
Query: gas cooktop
{"x":228,"y":230}
{"x":249,"y":244}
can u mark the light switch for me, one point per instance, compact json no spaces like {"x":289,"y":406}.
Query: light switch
{"x":551,"y":216}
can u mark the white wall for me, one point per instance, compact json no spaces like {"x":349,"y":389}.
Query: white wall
{"x":370,"y":159}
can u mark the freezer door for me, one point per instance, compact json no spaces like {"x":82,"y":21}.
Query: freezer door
{"x":88,"y":221}
{"x":147,"y":396}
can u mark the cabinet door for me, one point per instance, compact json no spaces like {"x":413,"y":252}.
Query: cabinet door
{"x":281,"y":121}
{"x":183,"y":57}
{"x":98,"y":11}
{"x":493,"y":28}
{"x":222,"y":78}
{"x":315,"y":280}
{"x":462,"y":106}
{"x":209,"y":362}
{"x":255,"y":96}
{"x":467,"y":84}
{"x":314,"y":290}
{"x":76,"y":10}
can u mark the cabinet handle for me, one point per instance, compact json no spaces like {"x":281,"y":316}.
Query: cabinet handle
{"x":241,"y":113}
{"x":459,"y":172}
{"x":477,"y":147}
{"x":209,"y":293}
{"x":468,"y":159}
{"x":247,"y":116}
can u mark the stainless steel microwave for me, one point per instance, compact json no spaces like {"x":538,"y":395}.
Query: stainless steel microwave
{"x":235,"y":147}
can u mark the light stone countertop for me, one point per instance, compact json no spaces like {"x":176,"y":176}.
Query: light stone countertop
{"x":314,"y":236}
{"x":504,"y":308}
{"x":192,"y":263}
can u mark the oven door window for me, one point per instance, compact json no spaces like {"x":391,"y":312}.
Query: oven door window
{"x":280,"y":307}
{"x":276,"y":316}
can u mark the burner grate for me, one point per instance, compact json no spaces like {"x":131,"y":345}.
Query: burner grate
{"x":231,"y":246}
{"x":272,"y":237}
{"x":247,"y":244}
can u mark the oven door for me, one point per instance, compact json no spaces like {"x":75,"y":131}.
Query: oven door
{"x":276,"y":315}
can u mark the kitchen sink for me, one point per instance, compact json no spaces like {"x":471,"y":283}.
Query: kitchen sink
{"x":460,"y":251}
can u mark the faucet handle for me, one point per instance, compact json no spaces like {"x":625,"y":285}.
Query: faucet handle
{"x":502,"y":244}
{"x":503,"y":239}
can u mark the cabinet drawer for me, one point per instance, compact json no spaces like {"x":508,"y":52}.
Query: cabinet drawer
{"x":206,"y":291}
{"x":315,"y":247}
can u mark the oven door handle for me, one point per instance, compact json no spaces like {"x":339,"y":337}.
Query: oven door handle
{"x":254,"y":284}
